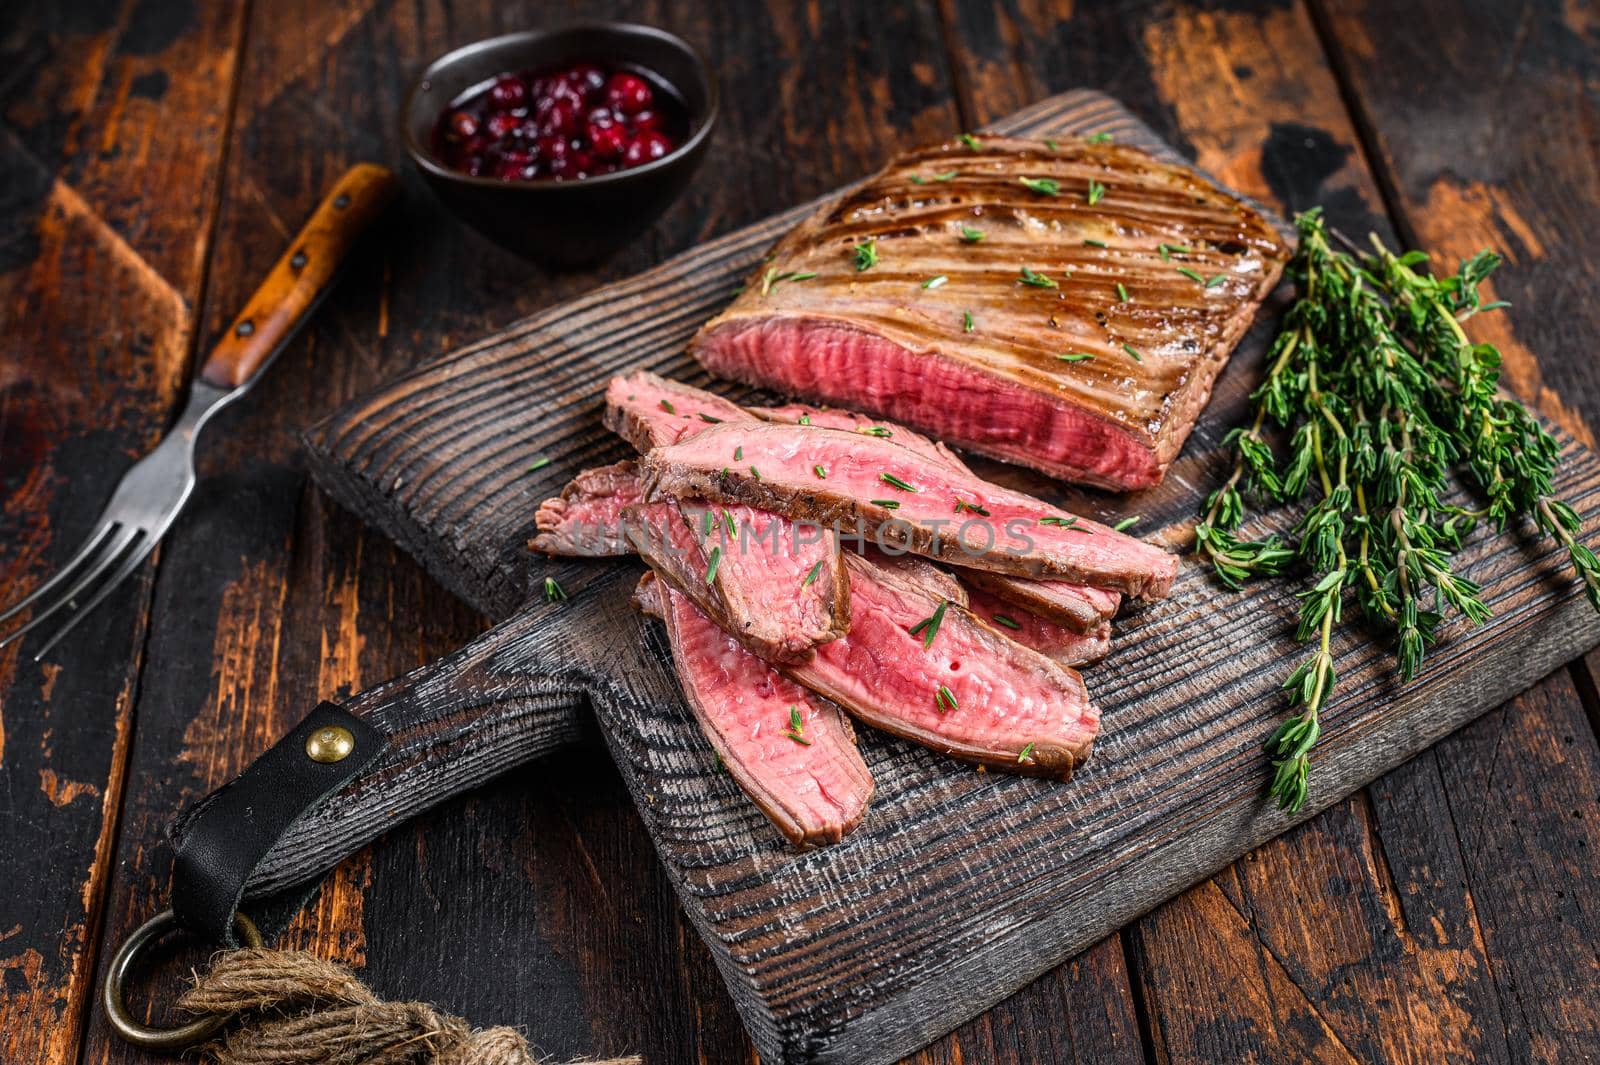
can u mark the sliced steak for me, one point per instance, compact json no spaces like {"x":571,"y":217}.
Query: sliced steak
{"x":1054,"y":641}
{"x":782,"y":593}
{"x":832,"y":477}
{"x":1079,"y":607}
{"x":810,"y":781}
{"x":849,"y":421}
{"x":971,"y":692}
{"x":975,"y":358}
{"x":586,"y":518}
{"x":921,"y":572}
{"x":648,"y":410}
{"x":782,"y":581}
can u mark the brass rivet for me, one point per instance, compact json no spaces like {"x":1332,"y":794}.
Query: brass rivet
{"x":331,"y":744}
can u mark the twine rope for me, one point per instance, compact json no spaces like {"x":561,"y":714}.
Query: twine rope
{"x":294,"y":1008}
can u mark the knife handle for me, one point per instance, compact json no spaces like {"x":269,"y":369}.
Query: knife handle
{"x":301,"y":277}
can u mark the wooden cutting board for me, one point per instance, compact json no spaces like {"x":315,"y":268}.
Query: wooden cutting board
{"x":960,"y":886}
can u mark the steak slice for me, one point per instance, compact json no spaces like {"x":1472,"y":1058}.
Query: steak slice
{"x":1054,"y":641}
{"x":779,"y":592}
{"x":849,"y":421}
{"x":585,"y":520}
{"x":783,"y":582}
{"x":921,"y":572}
{"x":1079,"y":607}
{"x":810,"y":782}
{"x":647,"y":410}
{"x":1008,"y":706}
{"x":829,"y":476}
{"x":886,"y":341}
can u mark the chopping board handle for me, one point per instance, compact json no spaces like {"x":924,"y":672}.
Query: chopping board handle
{"x":411,"y":743}
{"x":301,"y":277}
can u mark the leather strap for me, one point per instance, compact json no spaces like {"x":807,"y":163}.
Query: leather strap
{"x":226,"y":837}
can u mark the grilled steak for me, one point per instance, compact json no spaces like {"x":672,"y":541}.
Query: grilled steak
{"x":585,"y":520}
{"x":782,"y":583}
{"x":781,"y":594}
{"x":810,"y":781}
{"x":919,"y":571}
{"x":1055,"y":641}
{"x":971,"y":693}
{"x":829,"y":476}
{"x":1079,"y":607}
{"x":648,"y":410}
{"x":833,"y":418}
{"x":1037,"y":265}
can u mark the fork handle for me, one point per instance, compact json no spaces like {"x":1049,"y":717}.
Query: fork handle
{"x":301,"y":277}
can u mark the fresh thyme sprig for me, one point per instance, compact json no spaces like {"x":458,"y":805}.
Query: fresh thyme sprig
{"x":1383,"y":397}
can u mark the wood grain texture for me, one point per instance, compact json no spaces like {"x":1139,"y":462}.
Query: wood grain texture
{"x":96,"y":298}
{"x":863,"y":951}
{"x":1368,"y":909}
{"x":537,"y":900}
{"x":543,"y":886}
{"x":1507,"y":163}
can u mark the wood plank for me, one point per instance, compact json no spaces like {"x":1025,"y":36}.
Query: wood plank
{"x":544,"y":885}
{"x":104,"y":228}
{"x":1213,"y":54}
{"x":1246,"y":88}
{"x":1502,"y":166}
{"x":1061,"y":865}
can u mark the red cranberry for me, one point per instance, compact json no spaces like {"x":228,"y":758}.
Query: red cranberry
{"x":560,"y":119}
{"x":586,"y":77}
{"x":562,"y":90}
{"x":562,"y":168}
{"x":646,"y":120}
{"x":629,"y":93}
{"x":503,"y":124}
{"x":507,"y":92}
{"x":646,"y":146}
{"x":463,"y":124}
{"x":512,"y":170}
{"x":473,"y":166}
{"x":608,"y":140}
{"x":552,"y":149}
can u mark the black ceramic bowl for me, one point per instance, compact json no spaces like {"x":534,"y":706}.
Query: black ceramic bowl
{"x":563,"y":222}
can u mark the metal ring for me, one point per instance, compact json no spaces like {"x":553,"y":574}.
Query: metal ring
{"x":114,"y":999}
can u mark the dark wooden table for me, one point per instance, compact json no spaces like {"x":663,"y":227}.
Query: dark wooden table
{"x":154,"y":156}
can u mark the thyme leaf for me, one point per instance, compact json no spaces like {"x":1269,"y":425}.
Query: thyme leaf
{"x":1373,"y":403}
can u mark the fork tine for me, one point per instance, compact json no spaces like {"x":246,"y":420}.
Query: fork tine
{"x":62,"y":574}
{"x":102,"y":562}
{"x":140,"y":552}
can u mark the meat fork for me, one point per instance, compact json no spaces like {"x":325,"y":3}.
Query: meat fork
{"x":151,"y":494}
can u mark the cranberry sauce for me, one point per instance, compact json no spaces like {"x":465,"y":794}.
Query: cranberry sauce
{"x":561,"y":124}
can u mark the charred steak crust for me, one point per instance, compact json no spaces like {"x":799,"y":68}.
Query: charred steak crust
{"x":882,"y":340}
{"x":585,"y":518}
{"x":1077,"y":607}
